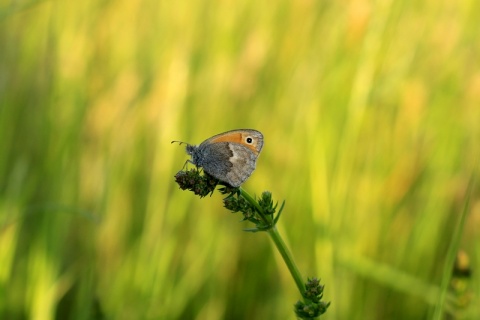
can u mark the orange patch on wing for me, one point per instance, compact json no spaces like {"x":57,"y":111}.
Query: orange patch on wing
{"x":236,"y":138}
{"x":231,"y":137}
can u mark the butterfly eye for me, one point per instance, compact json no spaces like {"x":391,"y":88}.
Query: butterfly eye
{"x":249,"y":140}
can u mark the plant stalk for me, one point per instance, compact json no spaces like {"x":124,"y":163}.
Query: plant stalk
{"x":279,"y":243}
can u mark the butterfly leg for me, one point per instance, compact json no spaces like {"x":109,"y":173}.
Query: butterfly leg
{"x":185,"y":165}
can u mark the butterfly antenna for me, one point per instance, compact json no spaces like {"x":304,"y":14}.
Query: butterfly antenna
{"x":179,"y":142}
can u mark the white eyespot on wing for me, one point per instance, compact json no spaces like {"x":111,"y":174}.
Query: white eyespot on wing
{"x":255,"y":139}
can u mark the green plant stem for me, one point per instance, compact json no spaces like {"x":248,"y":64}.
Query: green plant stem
{"x":279,"y":243}
{"x":254,"y":202}
{"x":452,"y":252}
{"x":288,"y":258}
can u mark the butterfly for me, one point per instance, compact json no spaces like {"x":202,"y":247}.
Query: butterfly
{"x":230,"y":157}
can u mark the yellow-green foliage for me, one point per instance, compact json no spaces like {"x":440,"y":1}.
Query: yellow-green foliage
{"x":371,"y":117}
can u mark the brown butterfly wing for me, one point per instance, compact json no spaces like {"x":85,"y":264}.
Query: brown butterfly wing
{"x":239,"y":136}
{"x":231,"y":156}
{"x":243,"y":162}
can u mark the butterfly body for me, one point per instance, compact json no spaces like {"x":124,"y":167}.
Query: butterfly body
{"x":230,"y":156}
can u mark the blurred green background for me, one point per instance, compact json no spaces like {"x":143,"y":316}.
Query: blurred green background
{"x":370,"y":112}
